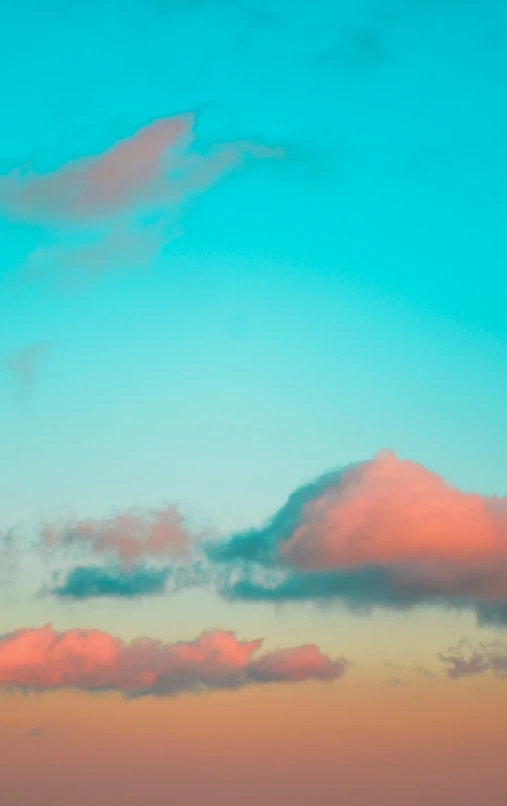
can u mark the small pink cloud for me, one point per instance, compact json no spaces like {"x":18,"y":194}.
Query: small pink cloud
{"x":43,"y":659}
{"x":129,"y":536}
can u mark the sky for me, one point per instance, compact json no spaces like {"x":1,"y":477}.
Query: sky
{"x":253,"y":489}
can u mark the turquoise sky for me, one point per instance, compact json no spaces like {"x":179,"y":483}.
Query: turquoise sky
{"x":302,"y":313}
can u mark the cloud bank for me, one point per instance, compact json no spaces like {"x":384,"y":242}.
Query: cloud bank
{"x":42,"y":659}
{"x":383,"y":532}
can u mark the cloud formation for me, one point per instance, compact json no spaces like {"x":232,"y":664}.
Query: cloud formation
{"x":129,"y":536}
{"x":465,"y":660}
{"x":149,"y":167}
{"x":383,"y":532}
{"x":42,"y":659}
{"x":115,"y":206}
{"x":86,"y":582}
{"x":124,"y":543}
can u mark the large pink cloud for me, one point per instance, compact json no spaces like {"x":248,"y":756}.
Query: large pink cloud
{"x":397,"y":514}
{"x":128,"y":536}
{"x":150,"y":167}
{"x":43,"y":659}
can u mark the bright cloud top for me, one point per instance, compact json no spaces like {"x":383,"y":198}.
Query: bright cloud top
{"x":43,"y":659}
{"x":386,"y":531}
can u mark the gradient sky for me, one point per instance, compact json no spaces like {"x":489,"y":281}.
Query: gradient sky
{"x":244,"y":244}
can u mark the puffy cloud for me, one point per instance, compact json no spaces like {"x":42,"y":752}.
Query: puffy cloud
{"x":393,"y":512}
{"x":465,"y":660}
{"x":383,"y":532}
{"x":129,"y":536}
{"x":43,"y":659}
{"x":86,"y":582}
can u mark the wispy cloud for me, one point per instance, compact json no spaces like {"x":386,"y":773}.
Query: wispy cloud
{"x":87,"y":582}
{"x":467,"y":660}
{"x":43,"y":659}
{"x":9,"y":554}
{"x":36,"y":732}
{"x":23,"y":364}
{"x":114,"y":207}
{"x":128,"y":536}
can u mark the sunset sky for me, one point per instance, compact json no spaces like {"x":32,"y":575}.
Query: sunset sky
{"x":253,"y":385}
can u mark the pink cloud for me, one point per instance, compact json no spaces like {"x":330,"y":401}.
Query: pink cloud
{"x":129,"y":536}
{"x":43,"y":659}
{"x":397,"y":514}
{"x":149,"y":168}
{"x":466,"y":660}
{"x":118,"y":208}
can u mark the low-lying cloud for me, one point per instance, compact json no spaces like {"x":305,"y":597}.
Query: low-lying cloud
{"x":42,"y":659}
